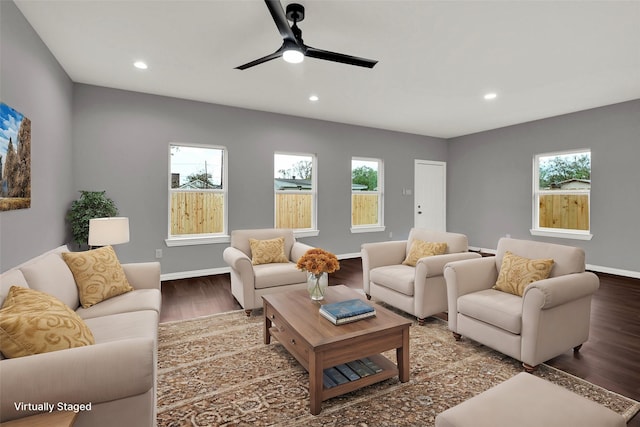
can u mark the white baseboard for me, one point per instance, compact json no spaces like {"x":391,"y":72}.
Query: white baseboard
{"x":614,"y":271}
{"x":222,"y":270}
{"x":590,"y":267}
{"x":349,"y":256}
{"x":194,"y":273}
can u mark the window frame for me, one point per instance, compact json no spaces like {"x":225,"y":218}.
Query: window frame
{"x":201,"y":238}
{"x":369,"y":228}
{"x":563,"y":233}
{"x":300,"y":232}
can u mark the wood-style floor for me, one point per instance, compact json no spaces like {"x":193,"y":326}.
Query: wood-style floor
{"x":610,"y":359}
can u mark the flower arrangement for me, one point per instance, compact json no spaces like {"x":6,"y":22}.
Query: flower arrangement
{"x":317,"y":261}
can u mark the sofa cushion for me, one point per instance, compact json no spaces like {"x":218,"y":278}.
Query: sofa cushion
{"x":123,"y":326}
{"x":32,"y":322}
{"x":8,"y":279}
{"x":455,"y":242}
{"x":567,"y":259}
{"x":500,"y":309}
{"x":400,"y":278}
{"x":420,"y":249}
{"x":139,"y":299}
{"x":267,"y":251}
{"x":517,"y":272}
{"x":270,"y":275}
{"x":98,"y":274}
{"x":51,"y":275}
{"x":240,"y":238}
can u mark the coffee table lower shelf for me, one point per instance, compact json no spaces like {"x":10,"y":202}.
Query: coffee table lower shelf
{"x":291,"y":341}
{"x":389,"y":370}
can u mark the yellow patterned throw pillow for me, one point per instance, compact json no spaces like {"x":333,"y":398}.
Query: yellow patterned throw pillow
{"x":517,"y":272}
{"x":420,"y":249}
{"x":267,"y":251}
{"x":98,"y":275}
{"x":32,"y":322}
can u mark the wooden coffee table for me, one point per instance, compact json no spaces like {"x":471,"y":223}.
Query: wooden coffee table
{"x":293,"y":319}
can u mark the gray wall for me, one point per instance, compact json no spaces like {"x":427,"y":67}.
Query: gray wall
{"x":490,"y":181}
{"x":33,"y":83}
{"x":87,"y":137}
{"x":121,"y":144}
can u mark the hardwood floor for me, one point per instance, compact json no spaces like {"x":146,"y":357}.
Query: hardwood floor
{"x":610,"y":359}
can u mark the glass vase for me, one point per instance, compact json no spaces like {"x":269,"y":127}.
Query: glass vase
{"x":317,"y":285}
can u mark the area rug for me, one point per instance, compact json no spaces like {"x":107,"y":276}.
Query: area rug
{"x":216,"y":371}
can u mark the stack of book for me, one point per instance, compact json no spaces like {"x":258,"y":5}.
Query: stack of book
{"x":347,"y":311}
{"x":350,"y":371}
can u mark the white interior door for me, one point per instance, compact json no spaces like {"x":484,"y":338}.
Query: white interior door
{"x":430,"y":195}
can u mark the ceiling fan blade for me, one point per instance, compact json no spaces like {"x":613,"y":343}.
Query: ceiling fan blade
{"x":274,"y":55}
{"x":279,"y":17}
{"x":312,"y":52}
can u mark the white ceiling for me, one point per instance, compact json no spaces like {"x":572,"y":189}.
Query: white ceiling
{"x":436,"y":58}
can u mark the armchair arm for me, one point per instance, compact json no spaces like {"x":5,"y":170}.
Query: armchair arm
{"x":143,"y":275}
{"x":237,"y":260}
{"x":434,"y":265}
{"x":242,"y":276}
{"x":556,"y":291}
{"x":90,"y":374}
{"x":471,"y":275}
{"x":556,"y":315}
{"x":383,"y":253}
{"x":380,"y":254}
{"x":298,"y":249}
{"x":466,"y":276}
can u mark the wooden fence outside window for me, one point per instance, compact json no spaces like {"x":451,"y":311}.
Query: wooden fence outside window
{"x":568,"y":211}
{"x":364,"y":209}
{"x":293,"y":210}
{"x":195,"y":212}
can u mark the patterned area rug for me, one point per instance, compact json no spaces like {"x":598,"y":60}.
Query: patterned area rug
{"x":216,"y":371}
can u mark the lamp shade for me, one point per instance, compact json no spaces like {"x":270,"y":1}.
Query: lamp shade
{"x":108,"y":231}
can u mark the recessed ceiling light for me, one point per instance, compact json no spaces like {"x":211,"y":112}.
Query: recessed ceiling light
{"x":313,"y":98}
{"x":141,"y":65}
{"x":490,"y":96}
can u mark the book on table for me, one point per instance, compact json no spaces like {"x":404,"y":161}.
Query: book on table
{"x":347,"y":311}
{"x":350,"y":371}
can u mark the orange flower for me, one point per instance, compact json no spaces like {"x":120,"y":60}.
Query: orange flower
{"x":317,"y":261}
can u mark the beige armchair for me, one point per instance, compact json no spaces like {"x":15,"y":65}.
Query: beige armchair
{"x":551,"y":317}
{"x":419,"y":290}
{"x":250,"y":282}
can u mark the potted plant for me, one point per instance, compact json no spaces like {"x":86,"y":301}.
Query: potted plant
{"x":91,"y":204}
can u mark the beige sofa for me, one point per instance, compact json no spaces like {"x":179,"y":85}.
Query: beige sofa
{"x":116,"y":375}
{"x":250,"y":282}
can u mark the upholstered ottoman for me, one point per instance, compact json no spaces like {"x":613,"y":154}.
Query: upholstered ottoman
{"x":528,"y":401}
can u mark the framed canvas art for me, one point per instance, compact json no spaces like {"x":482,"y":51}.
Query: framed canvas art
{"x":15,"y":159}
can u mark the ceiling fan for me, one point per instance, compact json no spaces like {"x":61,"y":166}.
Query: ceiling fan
{"x":293,"y":48}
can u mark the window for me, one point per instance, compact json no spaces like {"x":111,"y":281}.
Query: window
{"x":197,"y":195}
{"x":366,"y":195}
{"x":295,"y":192}
{"x":561,"y":193}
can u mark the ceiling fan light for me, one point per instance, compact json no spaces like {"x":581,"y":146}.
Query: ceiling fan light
{"x":293,"y":56}
{"x":141,"y":65}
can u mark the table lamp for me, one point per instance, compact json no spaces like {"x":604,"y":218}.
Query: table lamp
{"x":108,"y":231}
